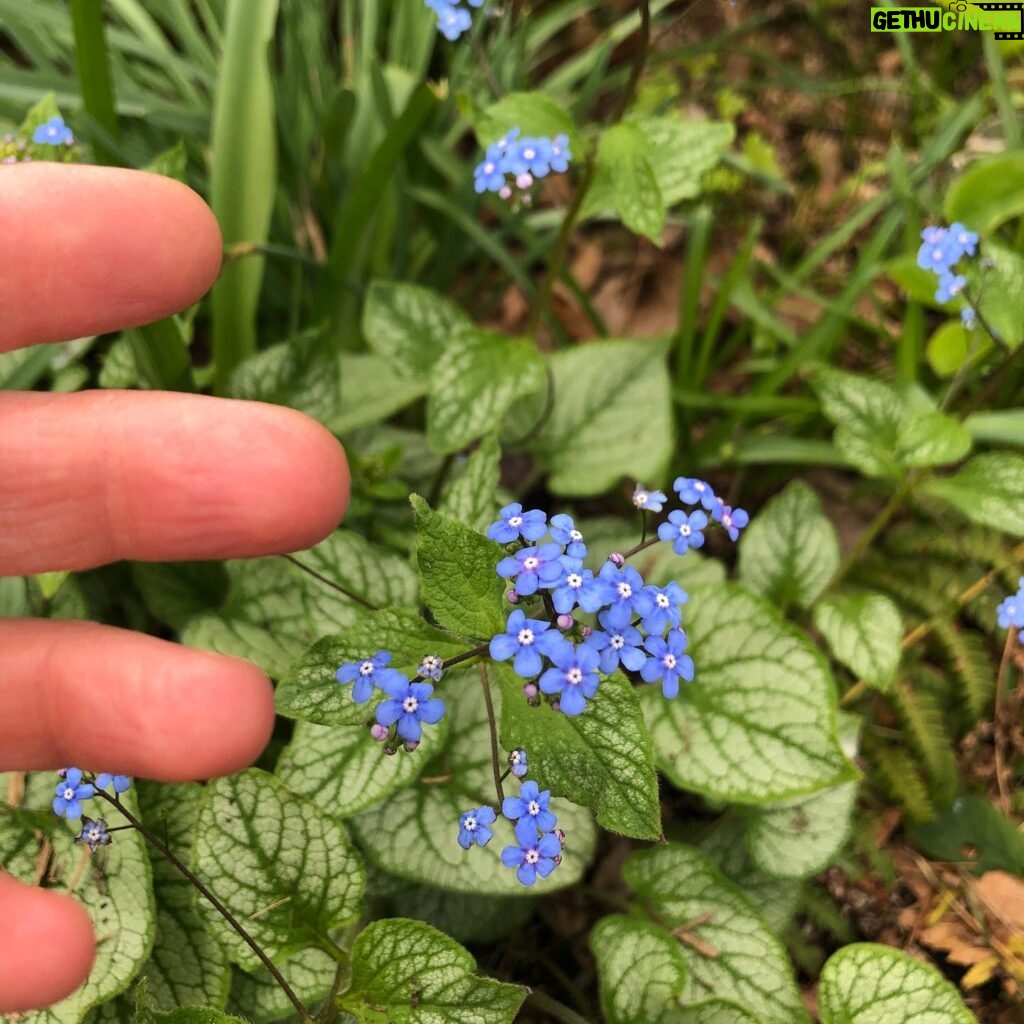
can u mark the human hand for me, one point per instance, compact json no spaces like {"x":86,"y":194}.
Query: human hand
{"x":91,"y":478}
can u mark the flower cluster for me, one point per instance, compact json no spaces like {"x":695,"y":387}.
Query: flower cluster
{"x":452,"y":18}
{"x":74,"y":788}
{"x":53,"y":133}
{"x":408,"y":704}
{"x":51,"y":140}
{"x":1010,"y":611}
{"x":941,"y":249}
{"x":518,"y":161}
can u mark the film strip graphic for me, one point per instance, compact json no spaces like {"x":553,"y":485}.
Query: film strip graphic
{"x":963,"y":5}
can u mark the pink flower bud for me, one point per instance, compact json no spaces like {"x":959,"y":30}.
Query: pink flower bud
{"x":530,"y":691}
{"x":616,"y":559}
{"x":565,"y":621}
{"x":379,"y":732}
{"x":524,"y":181}
{"x":560,"y":835}
{"x":505,"y":192}
{"x":390,"y":750}
{"x":512,"y":596}
{"x":556,"y":705}
{"x":587,"y":631}
{"x":557,"y":859}
{"x":411,"y":745}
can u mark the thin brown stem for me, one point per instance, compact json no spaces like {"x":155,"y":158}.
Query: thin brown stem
{"x":328,"y":582}
{"x":1004,"y":665}
{"x":492,"y":722}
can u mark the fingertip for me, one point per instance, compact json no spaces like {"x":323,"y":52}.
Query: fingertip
{"x":47,"y":947}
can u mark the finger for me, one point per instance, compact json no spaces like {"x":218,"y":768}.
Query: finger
{"x":95,"y":249}
{"x":46,"y":946}
{"x":104,"y":699}
{"x":90,"y":478}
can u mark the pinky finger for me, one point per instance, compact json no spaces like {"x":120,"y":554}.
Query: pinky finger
{"x":46,"y":946}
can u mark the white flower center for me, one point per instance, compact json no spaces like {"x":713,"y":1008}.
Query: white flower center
{"x":669,"y":661}
{"x":532,"y":855}
{"x":515,"y":521}
{"x":470,"y":824}
{"x":640,"y":499}
{"x":94,"y":835}
{"x":618,"y":642}
{"x":575,"y":535}
{"x":366,"y":669}
{"x":531,"y":563}
{"x":69,"y":794}
{"x":488,"y":168}
{"x":625,"y":591}
{"x":727,"y":519}
{"x":574,"y":676}
{"x":410,"y":705}
{"x":529,"y":153}
{"x":684,"y":530}
{"x":525,"y":637}
{"x":662,"y":601}
{"x":574,"y":580}
{"x":533,"y":808}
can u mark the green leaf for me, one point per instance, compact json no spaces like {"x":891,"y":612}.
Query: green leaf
{"x":459,"y":581}
{"x":258,"y":997}
{"x":311,"y":692}
{"x":612,"y":416}
{"x":114,"y":887}
{"x":278,"y":862}
{"x":790,"y":550}
{"x":602,"y":759}
{"x":406,"y":971}
{"x":870,"y":984}
{"x":469,"y":499}
{"x":410,"y":325}
{"x":758,"y":723}
{"x":475,"y":382}
{"x":176,"y":592}
{"x":371,"y":391}
{"x":928,"y":437}
{"x":952,"y":346}
{"x":972,"y":822}
{"x":864,"y":631}
{"x":171,"y":162}
{"x":534,"y":113}
{"x":642,"y":971}
{"x":997,"y":426}
{"x":343,"y":769}
{"x":412,"y":834}
{"x":716,"y":1011}
{"x":38,"y":114}
{"x":987,"y":194}
{"x":989,"y":490}
{"x":1000,"y":286}
{"x":190,"y":1015}
{"x":682,"y":152}
{"x":627,"y":178}
{"x":737,"y":958}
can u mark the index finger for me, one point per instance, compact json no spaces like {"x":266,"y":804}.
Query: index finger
{"x":94,"y":249}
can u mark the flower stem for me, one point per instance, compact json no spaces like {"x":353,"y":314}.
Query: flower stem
{"x":173,"y":858}
{"x":493,"y":724}
{"x":1004,"y":665}
{"x":326,"y":581}
{"x":555,"y":1009}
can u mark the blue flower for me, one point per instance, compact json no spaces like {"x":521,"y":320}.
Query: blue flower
{"x":938,"y":252}
{"x":574,"y":677}
{"x":692,"y":491}
{"x":648,"y":501}
{"x":70,"y":793}
{"x":514,"y":523}
{"x":526,"y":639}
{"x":531,"y":156}
{"x":53,"y":133}
{"x":965,"y":240}
{"x":452,"y":21}
{"x":733,"y":519}
{"x":368,"y":674}
{"x":431,"y":667}
{"x":950,"y":286}
{"x":625,"y":596}
{"x":580,"y":587}
{"x":94,"y":834}
{"x":617,"y":647}
{"x":668,"y":662}
{"x":489,"y":176}
{"x":473,"y":827}
{"x":410,"y":704}
{"x":968,"y":318}
{"x":533,"y":567}
{"x":560,"y":154}
{"x":564,"y":532}
{"x":517,"y":763}
{"x":534,"y":855}
{"x":684,"y":530}
{"x":121,"y":783}
{"x":531,"y":804}
{"x":1010,"y":611}
{"x":666,"y":608}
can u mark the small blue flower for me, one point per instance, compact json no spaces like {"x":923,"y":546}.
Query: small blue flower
{"x":733,"y":519}
{"x":564,"y":532}
{"x":410,"y":704}
{"x":574,"y":677}
{"x":488,"y":176}
{"x":617,"y":647}
{"x":367,"y":674}
{"x":668,"y":662}
{"x":1010,"y":611}
{"x":473,"y":827}
{"x":940,"y":253}
{"x":648,"y":501}
{"x":517,"y":763}
{"x":531,"y":804}
{"x":526,"y":640}
{"x":684,"y":530}
{"x":533,"y":567}
{"x":965,"y":240}
{"x":692,"y":491}
{"x":94,"y":834}
{"x":534,"y":855}
{"x":933,"y":234}
{"x":121,"y":783}
{"x":625,"y":597}
{"x":561,"y":154}
{"x":70,"y":793}
{"x":950,"y":286}
{"x":452,"y":21}
{"x":53,"y":133}
{"x":968,"y":318}
{"x":431,"y":667}
{"x":666,"y":608}
{"x":514,"y":523}
{"x":580,"y":587}
{"x":531,"y":156}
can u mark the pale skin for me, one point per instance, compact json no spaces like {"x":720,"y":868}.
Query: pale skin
{"x":91,"y":478}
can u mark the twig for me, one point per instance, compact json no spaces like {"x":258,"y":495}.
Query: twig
{"x":493,"y":724}
{"x":1004,"y":797}
{"x":555,"y":1009}
{"x":326,"y":581}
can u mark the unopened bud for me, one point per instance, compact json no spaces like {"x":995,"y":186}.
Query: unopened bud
{"x":390,"y":750}
{"x":411,"y":745}
{"x":587,"y":631}
{"x":524,"y":181}
{"x":530,"y":691}
{"x":379,"y":732}
{"x":557,"y":859}
{"x":560,"y":835}
{"x":512,"y":596}
{"x":505,"y":192}
{"x":565,"y":621}
{"x":616,"y":559}
{"x":556,"y":705}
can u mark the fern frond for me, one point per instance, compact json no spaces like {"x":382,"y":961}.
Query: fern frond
{"x":926,"y":733}
{"x":896,"y":773}
{"x":818,"y":906}
{"x":969,"y":660}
